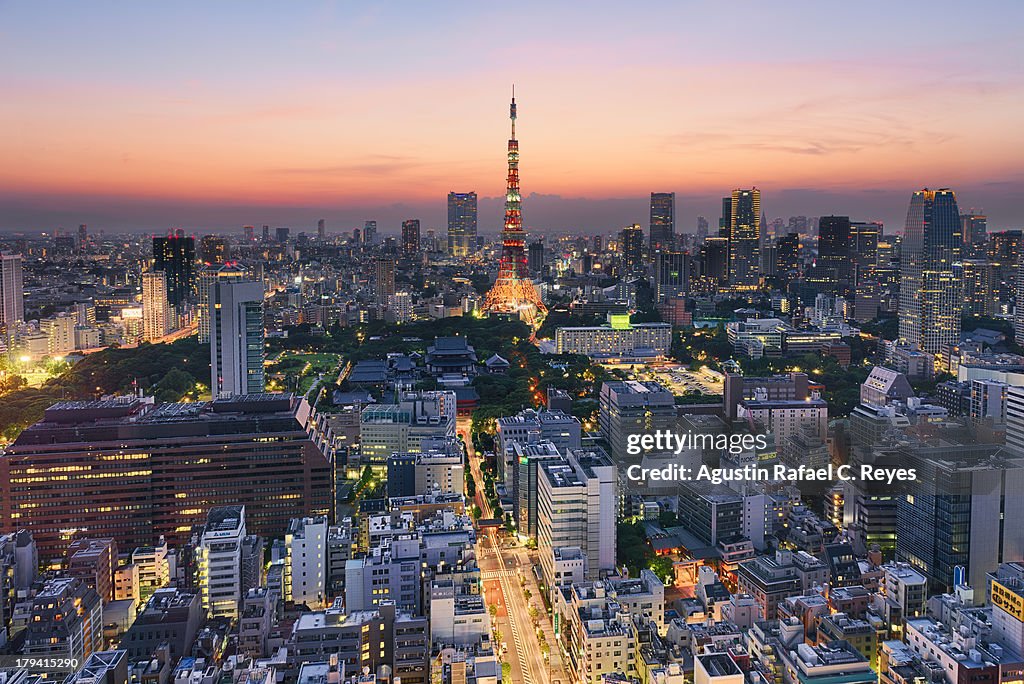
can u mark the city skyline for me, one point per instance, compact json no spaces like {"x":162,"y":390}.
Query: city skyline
{"x":195,"y":139}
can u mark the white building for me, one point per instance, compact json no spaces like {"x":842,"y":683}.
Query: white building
{"x":60,"y":334}
{"x":12,"y":290}
{"x":619,"y":338}
{"x":386,"y":429}
{"x":577,"y":503}
{"x":236,"y":336}
{"x":305,"y":570}
{"x":220,"y":561}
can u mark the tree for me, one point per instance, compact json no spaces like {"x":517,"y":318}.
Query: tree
{"x":506,"y":672}
{"x":493,"y":610}
{"x":662,"y":566}
{"x":470,"y":485}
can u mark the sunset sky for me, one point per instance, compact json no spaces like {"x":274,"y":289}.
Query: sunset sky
{"x":213,"y":115}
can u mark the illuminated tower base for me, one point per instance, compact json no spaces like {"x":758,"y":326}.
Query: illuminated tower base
{"x":516,"y":297}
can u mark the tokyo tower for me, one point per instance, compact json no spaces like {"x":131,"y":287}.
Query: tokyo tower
{"x":513,"y":292}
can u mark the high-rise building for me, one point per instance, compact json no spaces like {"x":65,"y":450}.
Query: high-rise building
{"x":671,"y":274}
{"x":715,"y":260}
{"x":83,"y":237}
{"x":702,"y":227}
{"x":236,"y":336}
{"x":384,"y":278}
{"x":411,"y":236}
{"x":208,"y":275}
{"x":305,"y":571}
{"x":957,"y":512}
{"x":220,"y":561}
{"x":251,"y":450}
{"x":282,"y":233}
{"x":834,"y":250}
{"x":175,"y":255}
{"x":864,"y":236}
{"x":370,"y":233}
{"x":975,"y":231}
{"x":577,"y":503}
{"x":249,"y":233}
{"x":321,"y":229}
{"x":931,"y":286}
{"x":663,"y":219}
{"x":513,"y":293}
{"x":745,"y":238}
{"x":266,"y":233}
{"x":213,"y":249}
{"x":631,"y":247}
{"x":156,"y":314}
{"x":787,"y":257}
{"x":630,"y":408}
{"x":535,"y":256}
{"x":461,"y":223}
{"x":12,"y":290}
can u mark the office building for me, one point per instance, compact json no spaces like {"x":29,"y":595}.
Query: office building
{"x":535,"y":256}
{"x":633,"y":407}
{"x":251,"y":450}
{"x":631,"y":249}
{"x":171,"y":616}
{"x":321,"y":229}
{"x":955,"y":512}
{"x":715,"y":260}
{"x":66,"y":621}
{"x":383,"y":278}
{"x":370,"y":233}
{"x":305,"y":569}
{"x":12,"y":290}
{"x":931,"y":299}
{"x":577,"y":503}
{"x":209,"y":275}
{"x":213,"y":249}
{"x":384,"y":636}
{"x":94,"y":562}
{"x":671,"y":274}
{"x":219,"y":566}
{"x":527,"y":459}
{"x":745,"y":238}
{"x":663,"y":220}
{"x":282,"y":234}
{"x":411,"y":237}
{"x":834,"y":253}
{"x":975,"y":231}
{"x":386,"y":429}
{"x":461,"y":223}
{"x":236,"y":336}
{"x":529,"y":426}
{"x":175,"y":256}
{"x":156,"y":310}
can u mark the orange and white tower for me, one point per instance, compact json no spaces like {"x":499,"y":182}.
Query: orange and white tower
{"x":513,"y":292}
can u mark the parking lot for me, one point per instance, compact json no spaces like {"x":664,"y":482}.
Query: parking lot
{"x":682,"y":380}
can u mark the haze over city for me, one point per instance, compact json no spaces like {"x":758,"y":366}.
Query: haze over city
{"x":144,"y":117}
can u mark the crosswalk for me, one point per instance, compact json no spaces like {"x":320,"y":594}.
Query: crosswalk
{"x":498,"y":574}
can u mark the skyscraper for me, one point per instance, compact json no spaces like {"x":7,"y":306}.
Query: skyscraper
{"x":370,"y":233}
{"x":12,"y":290}
{"x":411,"y":236}
{"x":834,"y":254}
{"x":930,"y":289}
{"x":282,"y":233}
{"x":249,"y":232}
{"x":975,"y":231}
{"x":175,"y":255}
{"x":787,"y":257}
{"x":744,"y":238}
{"x":321,"y":229}
{"x":236,"y":336}
{"x":513,"y":292}
{"x":83,"y":237}
{"x":663,"y":220}
{"x":671,"y":274}
{"x":156,"y":315}
{"x":461,"y":223}
{"x":631,"y":246}
{"x":384,"y":278}
{"x":535,"y":256}
{"x":213,"y":249}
